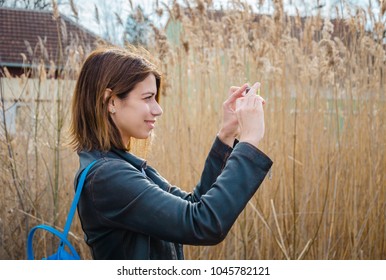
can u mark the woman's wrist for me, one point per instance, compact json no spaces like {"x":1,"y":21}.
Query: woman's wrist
{"x":226,"y":138}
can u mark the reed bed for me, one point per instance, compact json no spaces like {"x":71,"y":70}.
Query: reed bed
{"x":325,"y":132}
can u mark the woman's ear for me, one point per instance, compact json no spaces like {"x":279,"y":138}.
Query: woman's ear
{"x":108,"y":96}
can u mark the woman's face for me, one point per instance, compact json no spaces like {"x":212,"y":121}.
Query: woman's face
{"x":135,"y":116}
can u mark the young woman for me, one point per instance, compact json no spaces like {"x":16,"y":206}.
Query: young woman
{"x":127,"y":210}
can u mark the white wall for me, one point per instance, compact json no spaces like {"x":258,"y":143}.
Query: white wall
{"x":23,"y":97}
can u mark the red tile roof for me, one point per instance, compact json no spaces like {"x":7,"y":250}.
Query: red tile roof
{"x":22,"y":30}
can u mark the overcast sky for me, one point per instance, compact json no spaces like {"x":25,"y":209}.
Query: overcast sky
{"x":109,"y":9}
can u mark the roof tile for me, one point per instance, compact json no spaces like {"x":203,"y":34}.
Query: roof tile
{"x":18,"y":26}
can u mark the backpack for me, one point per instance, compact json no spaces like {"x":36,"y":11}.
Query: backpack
{"x":61,"y":253}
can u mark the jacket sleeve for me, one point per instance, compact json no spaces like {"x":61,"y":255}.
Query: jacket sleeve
{"x":214,"y":164}
{"x":124,"y":198}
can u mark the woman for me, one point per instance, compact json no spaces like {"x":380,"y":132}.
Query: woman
{"x":127,"y":210}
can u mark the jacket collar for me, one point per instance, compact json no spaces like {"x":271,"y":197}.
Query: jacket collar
{"x":86,"y":157}
{"x":137,"y":162}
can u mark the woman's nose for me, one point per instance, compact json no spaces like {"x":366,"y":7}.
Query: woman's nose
{"x":156,"y":109}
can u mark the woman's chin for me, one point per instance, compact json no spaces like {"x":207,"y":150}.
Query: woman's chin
{"x":144,"y":136}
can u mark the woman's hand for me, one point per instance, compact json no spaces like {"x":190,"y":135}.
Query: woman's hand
{"x":250,"y":116}
{"x":230,"y":126}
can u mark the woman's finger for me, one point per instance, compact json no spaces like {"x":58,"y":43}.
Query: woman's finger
{"x":232,"y":90}
{"x":261,"y":99}
{"x":237,"y":93}
{"x":254,"y":89}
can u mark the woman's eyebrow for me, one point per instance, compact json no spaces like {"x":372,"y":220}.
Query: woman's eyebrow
{"x":149,"y":92}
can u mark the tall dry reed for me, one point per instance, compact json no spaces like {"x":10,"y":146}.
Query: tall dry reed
{"x":325,"y":89}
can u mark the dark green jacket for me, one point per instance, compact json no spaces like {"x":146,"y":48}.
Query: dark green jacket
{"x":128,"y":211}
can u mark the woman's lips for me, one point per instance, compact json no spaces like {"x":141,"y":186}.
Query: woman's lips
{"x":151,"y":124}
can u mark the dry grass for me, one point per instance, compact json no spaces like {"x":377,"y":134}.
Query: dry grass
{"x":325,"y":131}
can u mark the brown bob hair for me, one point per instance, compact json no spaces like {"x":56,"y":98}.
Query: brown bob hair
{"x":117,"y":69}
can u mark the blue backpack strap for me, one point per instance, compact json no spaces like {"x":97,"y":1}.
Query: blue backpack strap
{"x":70,"y":216}
{"x":74,"y":204}
{"x":63,"y":241}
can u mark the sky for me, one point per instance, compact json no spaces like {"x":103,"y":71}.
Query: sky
{"x":108,"y":11}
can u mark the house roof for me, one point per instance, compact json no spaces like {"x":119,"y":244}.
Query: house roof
{"x":35,"y":34}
